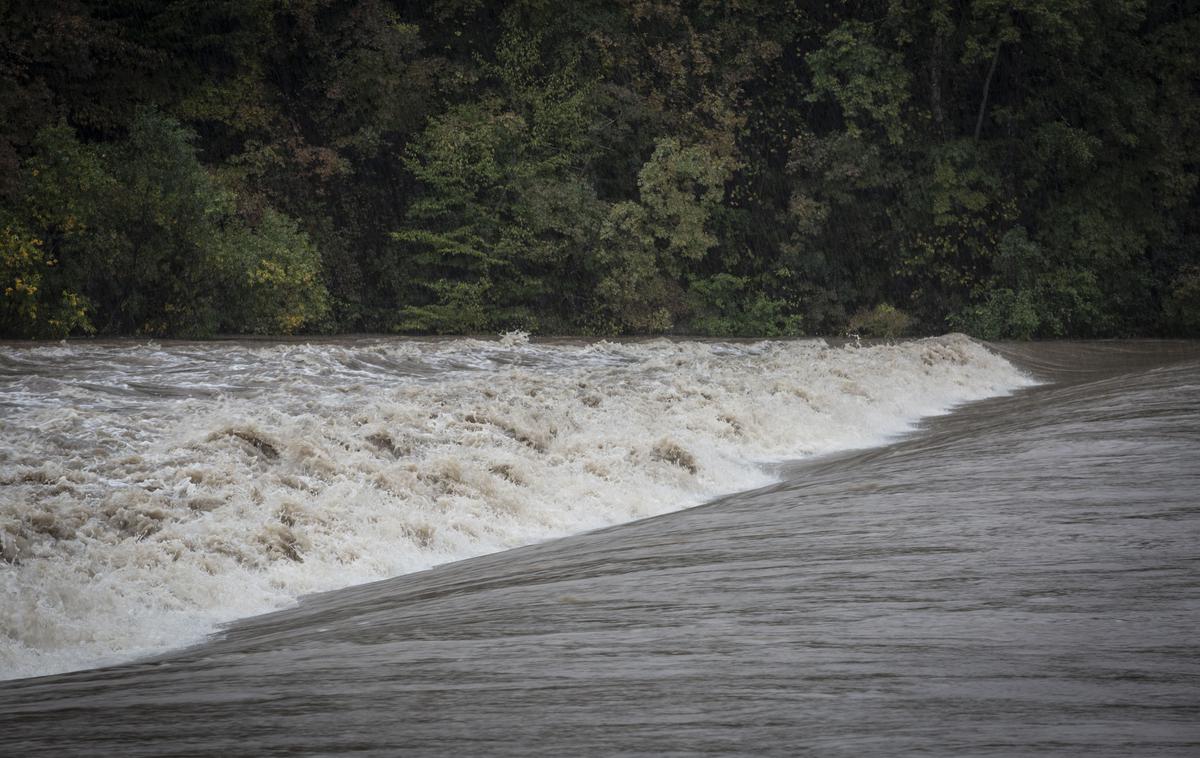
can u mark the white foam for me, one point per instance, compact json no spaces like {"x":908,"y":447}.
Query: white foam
{"x":150,"y":493}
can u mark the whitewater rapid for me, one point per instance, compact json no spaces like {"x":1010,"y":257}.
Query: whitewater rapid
{"x":150,"y":493}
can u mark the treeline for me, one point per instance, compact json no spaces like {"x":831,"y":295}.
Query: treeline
{"x":1011,"y":168}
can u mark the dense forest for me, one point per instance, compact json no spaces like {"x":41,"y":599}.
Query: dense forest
{"x":1008,"y":168}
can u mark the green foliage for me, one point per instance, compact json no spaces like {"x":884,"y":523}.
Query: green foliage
{"x":159,"y":231}
{"x":272,"y":277}
{"x":680,"y":188}
{"x":1011,"y":168}
{"x":633,"y":293}
{"x":732,"y":306}
{"x":883,"y":320}
{"x":1032,"y":295}
{"x":30,"y":307}
{"x":870,"y":84}
{"x":500,"y":213}
{"x":144,"y":235}
{"x":1182,"y":307}
{"x":960,"y":216}
{"x":460,"y":308}
{"x":645,"y":247}
{"x":1004,"y":315}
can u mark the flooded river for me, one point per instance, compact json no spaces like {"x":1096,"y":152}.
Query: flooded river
{"x":1021,"y":576}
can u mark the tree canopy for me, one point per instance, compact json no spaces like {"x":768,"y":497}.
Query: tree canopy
{"x":1010,"y":168}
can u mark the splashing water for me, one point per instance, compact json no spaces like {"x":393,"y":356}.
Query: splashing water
{"x":150,"y":493}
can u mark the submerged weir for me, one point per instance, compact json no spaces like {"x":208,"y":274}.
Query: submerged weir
{"x":1017,"y":577}
{"x":150,"y":493}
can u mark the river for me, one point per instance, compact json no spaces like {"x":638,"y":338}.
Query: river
{"x":867,"y":575}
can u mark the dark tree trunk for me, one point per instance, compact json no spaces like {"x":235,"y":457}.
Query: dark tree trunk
{"x":987,"y":86}
{"x":935,"y":87}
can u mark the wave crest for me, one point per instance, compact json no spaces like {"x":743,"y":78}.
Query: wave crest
{"x":150,"y":493}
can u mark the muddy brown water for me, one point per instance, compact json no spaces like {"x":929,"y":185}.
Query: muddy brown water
{"x":1019,"y":577}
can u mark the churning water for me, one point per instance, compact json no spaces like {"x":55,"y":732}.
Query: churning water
{"x":1018,"y":577}
{"x":151,"y":492}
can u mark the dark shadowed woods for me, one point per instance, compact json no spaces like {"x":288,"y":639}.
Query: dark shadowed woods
{"x":1018,"y":169}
